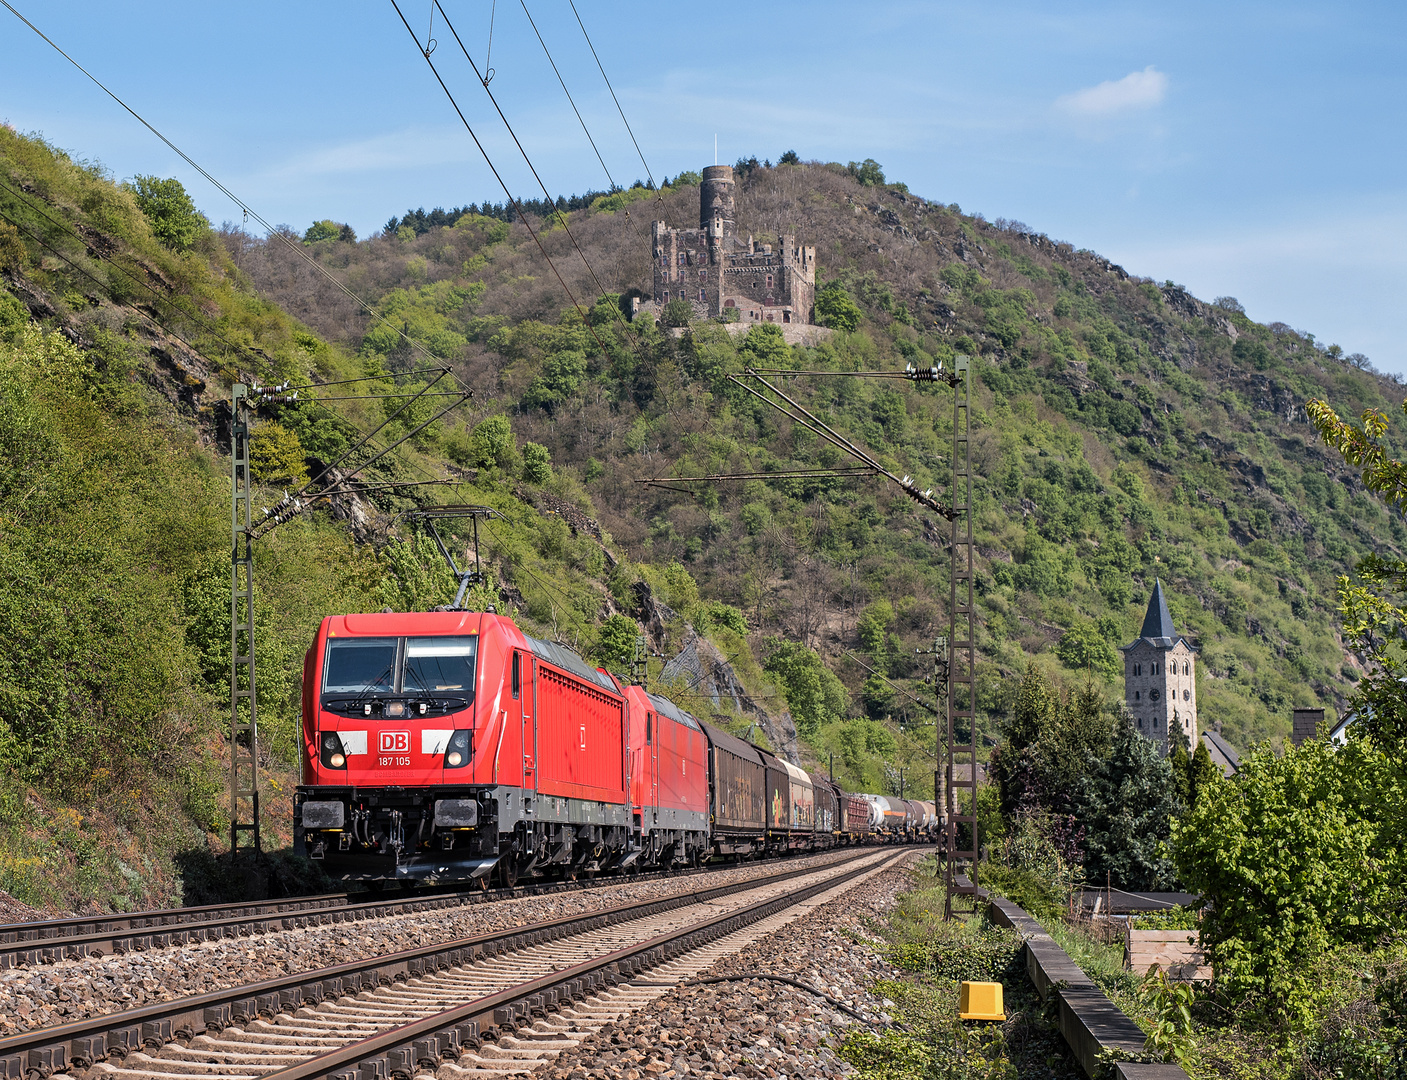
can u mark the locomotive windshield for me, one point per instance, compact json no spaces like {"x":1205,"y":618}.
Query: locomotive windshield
{"x":438,"y":664}
{"x":435,"y":672}
{"x":360,"y":666}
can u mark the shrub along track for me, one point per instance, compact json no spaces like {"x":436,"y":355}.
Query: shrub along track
{"x":52,"y":940}
{"x":419,"y":994}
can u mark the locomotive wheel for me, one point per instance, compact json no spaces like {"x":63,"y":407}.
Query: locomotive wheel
{"x":507,"y":872}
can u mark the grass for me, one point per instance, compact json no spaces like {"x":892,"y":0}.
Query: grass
{"x":928,"y":1041}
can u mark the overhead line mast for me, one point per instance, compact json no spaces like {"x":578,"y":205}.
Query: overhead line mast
{"x":954,"y":656}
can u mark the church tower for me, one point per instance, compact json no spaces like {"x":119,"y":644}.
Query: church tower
{"x":1160,"y":678}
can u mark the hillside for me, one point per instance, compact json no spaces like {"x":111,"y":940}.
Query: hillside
{"x":1124,"y":430}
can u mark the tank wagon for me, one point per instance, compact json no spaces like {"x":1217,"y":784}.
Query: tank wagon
{"x":451,"y":745}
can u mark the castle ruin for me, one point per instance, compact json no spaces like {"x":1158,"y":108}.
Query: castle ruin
{"x":716,"y":273}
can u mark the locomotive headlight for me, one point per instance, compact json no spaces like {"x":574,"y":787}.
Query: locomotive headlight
{"x":334,"y":754}
{"x":457,"y":753}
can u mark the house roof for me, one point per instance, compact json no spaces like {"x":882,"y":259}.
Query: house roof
{"x":1158,"y":624}
{"x":1223,"y":757}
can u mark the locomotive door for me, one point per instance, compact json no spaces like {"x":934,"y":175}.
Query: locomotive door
{"x":528,"y":720}
{"x":652,"y":791}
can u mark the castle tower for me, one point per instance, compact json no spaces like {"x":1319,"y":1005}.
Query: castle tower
{"x":716,"y":220}
{"x":1160,"y":677}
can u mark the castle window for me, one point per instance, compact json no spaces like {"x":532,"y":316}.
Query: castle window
{"x":1153,"y":668}
{"x":1187,"y":695}
{"x":1138,"y":695}
{"x":681,"y":258}
{"x":1152,"y":695}
{"x":769,"y":281}
{"x":702,"y":295}
{"x":703,"y":275}
{"x":1186,"y":669}
{"x":1140,"y":723}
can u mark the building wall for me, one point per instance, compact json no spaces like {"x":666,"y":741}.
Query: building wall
{"x":1159,"y":682}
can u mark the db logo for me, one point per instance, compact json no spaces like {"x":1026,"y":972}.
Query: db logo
{"x":395,"y":742}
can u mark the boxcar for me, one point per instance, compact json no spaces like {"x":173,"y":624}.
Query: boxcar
{"x":854,"y":817}
{"x":778,"y":794}
{"x":737,"y":780}
{"x":827,"y":812}
{"x":802,"y":800}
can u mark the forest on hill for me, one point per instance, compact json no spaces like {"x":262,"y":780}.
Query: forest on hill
{"x":1123,"y":430}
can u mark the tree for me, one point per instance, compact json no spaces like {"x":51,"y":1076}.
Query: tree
{"x":867,"y":172}
{"x":616,"y":643}
{"x":276,"y":455}
{"x":1300,"y":854}
{"x":562,"y":373}
{"x":492,"y":442}
{"x":326,"y":229}
{"x":537,"y":463}
{"x":1083,"y":646}
{"x":1375,"y":623}
{"x":789,"y":158}
{"x":169,"y":210}
{"x":1124,"y":800}
{"x":835,"y":308}
{"x":814,"y":695}
{"x":677,"y":313}
{"x":764,"y":346}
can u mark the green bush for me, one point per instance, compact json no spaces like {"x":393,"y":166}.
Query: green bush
{"x":1301,"y":854}
{"x":169,"y":210}
{"x":537,"y":463}
{"x":835,"y":308}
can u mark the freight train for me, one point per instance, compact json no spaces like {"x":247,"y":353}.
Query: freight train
{"x":450,"y":745}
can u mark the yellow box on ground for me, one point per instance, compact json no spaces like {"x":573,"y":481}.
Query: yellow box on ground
{"x":980,"y":1001}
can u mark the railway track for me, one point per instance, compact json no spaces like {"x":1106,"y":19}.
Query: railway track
{"x":51,"y":941}
{"x":404,"y":1014}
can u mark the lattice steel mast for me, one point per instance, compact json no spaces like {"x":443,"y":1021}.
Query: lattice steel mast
{"x":244,"y":727}
{"x":961,"y":726}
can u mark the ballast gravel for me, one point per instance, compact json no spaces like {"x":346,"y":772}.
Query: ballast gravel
{"x":49,"y":994}
{"x":755,"y":1027}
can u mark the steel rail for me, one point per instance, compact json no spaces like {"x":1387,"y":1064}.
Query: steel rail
{"x":403,"y":1048}
{"x":83,"y":1042}
{"x":51,"y":941}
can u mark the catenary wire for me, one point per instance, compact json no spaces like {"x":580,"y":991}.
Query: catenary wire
{"x":533,"y":24}
{"x":562,"y":217}
{"x":283,"y":508}
{"x":493,"y":169}
{"x":256,"y":359}
{"x":612,"y":89}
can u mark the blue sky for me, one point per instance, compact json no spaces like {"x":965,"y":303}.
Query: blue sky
{"x":1244,"y":149}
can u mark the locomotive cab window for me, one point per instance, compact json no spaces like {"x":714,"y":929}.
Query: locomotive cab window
{"x":438,"y":664}
{"x":360,"y":666}
{"x":396,"y":677}
{"x":517,"y":675}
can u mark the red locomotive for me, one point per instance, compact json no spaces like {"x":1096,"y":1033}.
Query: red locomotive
{"x":451,"y":744}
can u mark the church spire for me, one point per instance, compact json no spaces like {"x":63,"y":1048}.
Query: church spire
{"x":1158,"y":622}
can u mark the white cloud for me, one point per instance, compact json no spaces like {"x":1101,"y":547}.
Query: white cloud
{"x":1136,"y":90}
